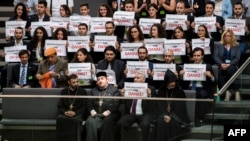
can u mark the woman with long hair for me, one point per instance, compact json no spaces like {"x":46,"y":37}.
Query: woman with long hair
{"x":82,"y":56}
{"x":64,"y":11}
{"x":156,"y":32}
{"x":227,"y":56}
{"x":37,"y":44}
{"x":179,"y":33}
{"x":135,"y":34}
{"x":105,"y":11}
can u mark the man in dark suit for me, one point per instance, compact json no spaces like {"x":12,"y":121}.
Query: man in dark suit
{"x":103,"y":112}
{"x":23,"y":74}
{"x":110,"y":62}
{"x":143,"y":110}
{"x":41,"y":13}
{"x":204,"y":89}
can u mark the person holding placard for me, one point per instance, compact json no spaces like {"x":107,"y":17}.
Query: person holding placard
{"x":204,"y":89}
{"x":82,"y":56}
{"x":179,"y":33}
{"x":138,"y":110}
{"x":23,"y":73}
{"x":105,"y":11}
{"x":171,"y":115}
{"x":51,"y":72}
{"x":62,"y":34}
{"x":110,"y":62}
{"x":104,"y":112}
{"x":37,"y":44}
{"x":242,"y":40}
{"x":41,"y":14}
{"x":71,"y":112}
{"x":227,"y":57}
{"x":134,"y":34}
{"x":157,"y":32}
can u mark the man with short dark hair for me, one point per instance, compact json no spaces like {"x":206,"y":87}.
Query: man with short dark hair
{"x":103,"y":112}
{"x":51,"y":72}
{"x":110,"y":62}
{"x":71,"y":111}
{"x":41,"y":13}
{"x":23,"y":74}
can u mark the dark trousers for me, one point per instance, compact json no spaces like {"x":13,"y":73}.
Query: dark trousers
{"x":127,"y":120}
{"x":69,"y":129}
{"x":225,"y":75}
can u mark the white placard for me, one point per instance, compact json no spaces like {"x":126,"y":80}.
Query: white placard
{"x":160,"y":70}
{"x":82,"y":70}
{"x":173,"y":21}
{"x":55,"y":25}
{"x":98,"y":24}
{"x":204,"y":44}
{"x":135,"y":89}
{"x":155,"y":46}
{"x":178,"y":46}
{"x":129,"y":50}
{"x":110,"y":75}
{"x":123,"y":18}
{"x":59,"y":45}
{"x":11,"y":25}
{"x":236,"y":25}
{"x":59,"y":19}
{"x":137,"y":66}
{"x":74,"y":22}
{"x":101,"y":42}
{"x":45,"y":25}
{"x":209,"y":22}
{"x":146,"y":24}
{"x":194,"y":72}
{"x":77,"y":42}
{"x":12,"y":53}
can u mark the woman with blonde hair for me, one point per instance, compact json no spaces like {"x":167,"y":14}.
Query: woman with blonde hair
{"x":227,"y":57}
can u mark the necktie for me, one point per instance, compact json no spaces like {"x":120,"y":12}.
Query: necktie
{"x":51,"y":68}
{"x":22,"y":78}
{"x":133,"y":112}
{"x":194,"y":85}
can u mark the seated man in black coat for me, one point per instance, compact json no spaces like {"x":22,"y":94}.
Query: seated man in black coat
{"x":71,"y":111}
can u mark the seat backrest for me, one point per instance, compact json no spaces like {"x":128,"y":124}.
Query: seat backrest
{"x":190,"y":104}
{"x":215,"y":70}
{"x":9,"y":72}
{"x":30,"y":108}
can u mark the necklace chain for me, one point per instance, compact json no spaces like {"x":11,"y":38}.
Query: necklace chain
{"x":71,"y":106}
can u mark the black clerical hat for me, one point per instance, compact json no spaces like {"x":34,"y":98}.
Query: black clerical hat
{"x":101,"y":73}
{"x":169,"y":77}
